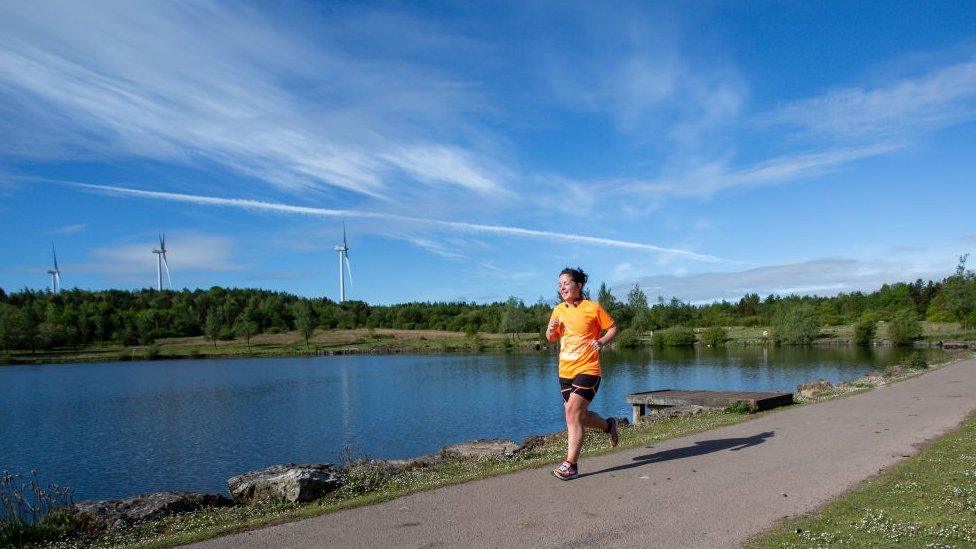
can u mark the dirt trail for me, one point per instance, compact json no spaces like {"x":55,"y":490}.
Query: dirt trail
{"x":713,"y":489}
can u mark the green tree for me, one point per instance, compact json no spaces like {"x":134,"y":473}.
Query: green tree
{"x":11,"y":327}
{"x":606,"y":299}
{"x":637,"y":302}
{"x":514,"y":318}
{"x":245,"y":328}
{"x":304,"y":320}
{"x":864,"y":331}
{"x":904,"y":327}
{"x":212,"y":326}
{"x":796,"y":325}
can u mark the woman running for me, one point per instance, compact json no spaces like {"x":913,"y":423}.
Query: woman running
{"x":577,"y":323}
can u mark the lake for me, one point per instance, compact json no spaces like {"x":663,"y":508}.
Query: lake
{"x":110,"y":430}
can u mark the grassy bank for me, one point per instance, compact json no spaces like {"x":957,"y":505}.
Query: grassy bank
{"x":926,"y":501}
{"x":395,"y":341}
{"x":285,"y":344}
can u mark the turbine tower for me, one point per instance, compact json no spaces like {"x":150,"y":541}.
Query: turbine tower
{"x":55,"y":273}
{"x":343,"y":250}
{"x":161,"y":264}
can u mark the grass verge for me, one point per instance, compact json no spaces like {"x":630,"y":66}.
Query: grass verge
{"x":928,"y":500}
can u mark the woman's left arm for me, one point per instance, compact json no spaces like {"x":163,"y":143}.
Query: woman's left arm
{"x":610,"y":335}
{"x":600,"y":343}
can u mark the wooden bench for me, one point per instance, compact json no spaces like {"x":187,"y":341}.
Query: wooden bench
{"x":715,"y":399}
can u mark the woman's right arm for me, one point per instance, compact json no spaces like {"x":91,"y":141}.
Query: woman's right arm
{"x":553,"y":331}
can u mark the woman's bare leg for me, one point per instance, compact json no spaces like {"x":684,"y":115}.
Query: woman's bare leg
{"x":578,"y":417}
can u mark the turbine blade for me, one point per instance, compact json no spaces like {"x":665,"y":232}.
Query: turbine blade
{"x":168,"y":278}
{"x":344,"y":235}
{"x":348,"y":270}
{"x":55,"y":254}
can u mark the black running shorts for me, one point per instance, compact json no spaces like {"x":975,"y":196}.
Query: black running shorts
{"x":583,"y":385}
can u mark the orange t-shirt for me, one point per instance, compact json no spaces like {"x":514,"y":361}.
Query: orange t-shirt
{"x":579,"y":326}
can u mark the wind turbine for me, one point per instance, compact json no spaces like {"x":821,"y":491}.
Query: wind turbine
{"x":55,"y":273}
{"x":343,"y":250}
{"x":161,"y":263}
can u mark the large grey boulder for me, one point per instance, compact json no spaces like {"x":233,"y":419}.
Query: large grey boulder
{"x":116,"y":513}
{"x":290,"y":482}
{"x":480,"y":448}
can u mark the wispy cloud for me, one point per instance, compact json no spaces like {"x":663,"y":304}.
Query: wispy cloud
{"x":252,"y":91}
{"x":69,"y":229}
{"x":822,"y":277}
{"x":713,"y":177}
{"x":942,"y":97}
{"x":257,"y":205}
{"x":634,"y":64}
{"x":188,"y":251}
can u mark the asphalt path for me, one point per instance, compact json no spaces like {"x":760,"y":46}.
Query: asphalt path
{"x":713,"y":489}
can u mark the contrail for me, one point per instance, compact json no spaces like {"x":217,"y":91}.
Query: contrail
{"x":246,"y":204}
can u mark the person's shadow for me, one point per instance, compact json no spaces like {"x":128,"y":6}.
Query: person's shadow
{"x":700,"y":448}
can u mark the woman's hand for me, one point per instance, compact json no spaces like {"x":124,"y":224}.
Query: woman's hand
{"x":554,"y":325}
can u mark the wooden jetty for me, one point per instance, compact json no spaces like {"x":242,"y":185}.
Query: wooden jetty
{"x":716,"y":399}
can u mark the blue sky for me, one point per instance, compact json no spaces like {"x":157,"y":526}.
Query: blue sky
{"x":705,"y":149}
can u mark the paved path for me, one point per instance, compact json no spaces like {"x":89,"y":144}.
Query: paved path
{"x":713,"y":489}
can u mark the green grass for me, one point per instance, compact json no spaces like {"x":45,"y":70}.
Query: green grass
{"x":926,"y":501}
{"x":278,"y":345}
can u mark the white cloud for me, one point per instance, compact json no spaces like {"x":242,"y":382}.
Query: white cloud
{"x":942,"y":97}
{"x":476,"y":228}
{"x":822,"y":277}
{"x":69,"y":229}
{"x":187,"y":252}
{"x":205,"y":82}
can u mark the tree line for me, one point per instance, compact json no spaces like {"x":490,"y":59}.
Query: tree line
{"x":31,"y":319}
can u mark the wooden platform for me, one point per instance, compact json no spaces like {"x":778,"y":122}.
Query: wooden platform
{"x":715,"y":399}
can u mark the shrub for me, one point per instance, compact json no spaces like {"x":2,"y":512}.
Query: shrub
{"x":969,"y":321}
{"x":938,"y":314}
{"x":796,"y":326}
{"x":752,"y":321}
{"x":917,"y":361}
{"x":676,"y":336}
{"x":714,"y":336}
{"x":627,"y":339}
{"x":31,"y":514}
{"x":864,"y":331}
{"x":738,"y":407}
{"x":152,"y":352}
{"x":904,"y":327}
{"x":194,"y":353}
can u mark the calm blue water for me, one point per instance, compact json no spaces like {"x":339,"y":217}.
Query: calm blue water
{"x":118,"y":429}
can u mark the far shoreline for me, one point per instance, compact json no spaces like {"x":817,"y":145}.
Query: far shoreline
{"x":388,"y":341}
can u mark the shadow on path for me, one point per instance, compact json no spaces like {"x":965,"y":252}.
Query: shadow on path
{"x":700,"y":448}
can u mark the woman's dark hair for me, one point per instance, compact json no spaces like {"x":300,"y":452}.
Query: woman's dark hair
{"x":576,"y":274}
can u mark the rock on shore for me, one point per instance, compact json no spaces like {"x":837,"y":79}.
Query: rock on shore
{"x":480,"y":448}
{"x":115,"y":513}
{"x":290,"y":482}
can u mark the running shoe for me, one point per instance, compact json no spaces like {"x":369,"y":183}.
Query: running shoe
{"x":613,"y":433}
{"x":566,"y":471}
